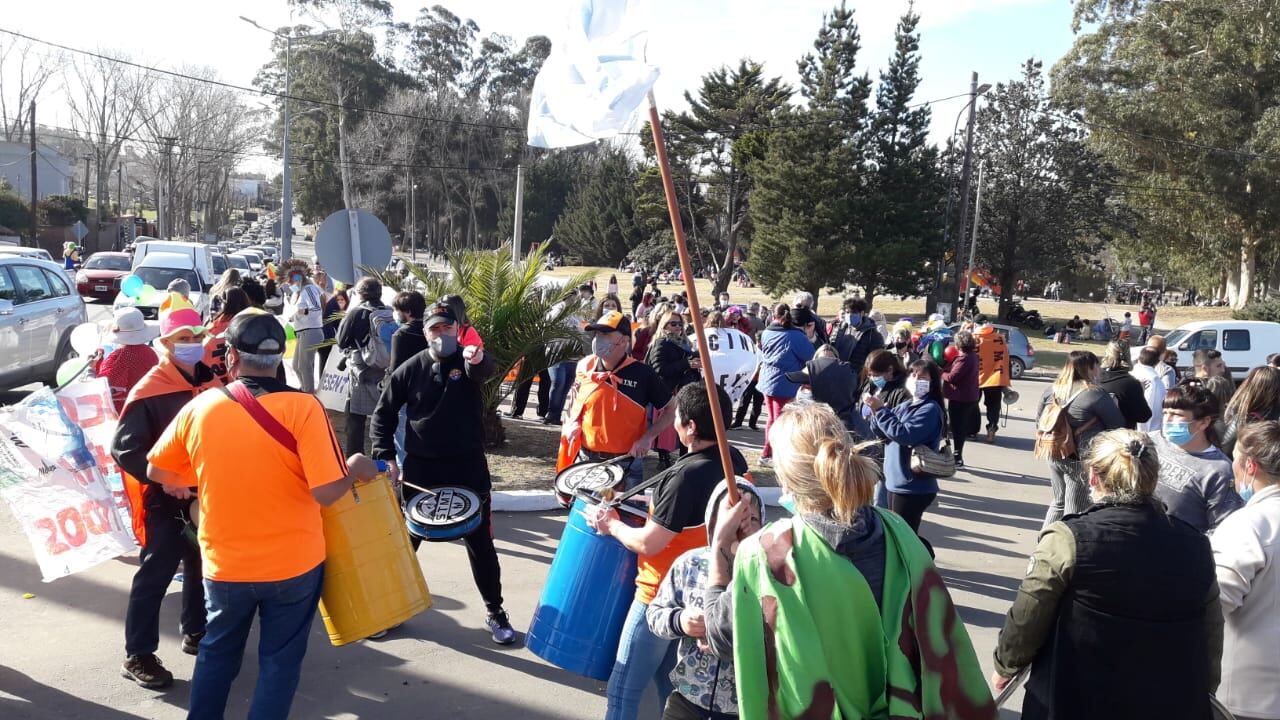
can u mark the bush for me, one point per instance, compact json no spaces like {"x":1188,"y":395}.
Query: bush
{"x":1268,"y":310}
{"x":62,"y":211}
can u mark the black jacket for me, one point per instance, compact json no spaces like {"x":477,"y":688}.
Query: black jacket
{"x":671,"y":361}
{"x":1127,"y":392}
{"x":834,"y":383}
{"x":353,"y":331}
{"x":853,"y":345}
{"x":408,"y":341}
{"x":443,"y":404}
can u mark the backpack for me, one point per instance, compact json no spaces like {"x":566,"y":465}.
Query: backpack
{"x":375,"y":352}
{"x":1055,"y":440}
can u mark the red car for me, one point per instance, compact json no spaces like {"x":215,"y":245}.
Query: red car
{"x":100,"y":275}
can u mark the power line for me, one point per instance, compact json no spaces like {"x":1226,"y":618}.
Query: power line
{"x":260,"y":91}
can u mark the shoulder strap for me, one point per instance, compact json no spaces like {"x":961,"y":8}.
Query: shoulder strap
{"x":242,"y":395}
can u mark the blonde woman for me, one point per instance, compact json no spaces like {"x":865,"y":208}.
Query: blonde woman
{"x":1257,"y":399}
{"x":1090,"y":410}
{"x":812,"y":610}
{"x":1118,"y":615}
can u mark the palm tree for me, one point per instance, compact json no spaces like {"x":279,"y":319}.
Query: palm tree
{"x":519,"y":316}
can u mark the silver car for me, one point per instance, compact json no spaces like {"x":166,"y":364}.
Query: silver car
{"x":38,"y":310}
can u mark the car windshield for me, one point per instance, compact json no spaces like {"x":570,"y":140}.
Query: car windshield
{"x":107,"y":262}
{"x":1175,"y":337}
{"x":238,"y":262}
{"x":160,"y":277}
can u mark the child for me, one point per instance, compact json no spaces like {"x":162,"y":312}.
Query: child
{"x":704,"y":684}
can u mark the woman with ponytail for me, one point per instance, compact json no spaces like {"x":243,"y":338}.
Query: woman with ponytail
{"x":1118,"y":615}
{"x":837,"y":610}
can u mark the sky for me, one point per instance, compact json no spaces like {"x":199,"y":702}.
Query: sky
{"x":687,"y":37}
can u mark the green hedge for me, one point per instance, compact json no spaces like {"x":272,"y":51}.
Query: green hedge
{"x":1268,"y":310}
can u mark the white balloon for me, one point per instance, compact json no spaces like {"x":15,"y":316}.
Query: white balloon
{"x":734,"y":360}
{"x":85,"y":338}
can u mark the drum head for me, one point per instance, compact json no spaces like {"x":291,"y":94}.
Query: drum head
{"x":443,"y":507}
{"x":590,"y":477}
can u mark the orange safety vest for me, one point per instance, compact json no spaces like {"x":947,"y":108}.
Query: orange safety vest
{"x":163,"y":379}
{"x":602,"y":419}
{"x":993,"y":358}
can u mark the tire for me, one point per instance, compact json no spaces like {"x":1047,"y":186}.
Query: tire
{"x":1017,"y":368}
{"x":65,"y":353}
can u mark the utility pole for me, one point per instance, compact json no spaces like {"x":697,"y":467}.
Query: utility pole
{"x":119,"y":189}
{"x":87,"y":158}
{"x":166,"y":191}
{"x":35,"y":196}
{"x":965,"y":177}
{"x":519,"y":224}
{"x":413,"y":220}
{"x":973,"y":243}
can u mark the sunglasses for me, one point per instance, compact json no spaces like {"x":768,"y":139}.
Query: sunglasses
{"x":675,"y":323}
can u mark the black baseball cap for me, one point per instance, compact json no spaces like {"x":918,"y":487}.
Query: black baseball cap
{"x":801,"y":316}
{"x":439,"y":313}
{"x":256,"y":332}
{"x":612,"y":321}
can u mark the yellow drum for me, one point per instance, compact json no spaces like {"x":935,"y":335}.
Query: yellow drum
{"x":372,"y":579}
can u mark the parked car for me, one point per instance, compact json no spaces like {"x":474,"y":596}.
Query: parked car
{"x":1022,"y":357}
{"x":30,"y":252}
{"x":159,"y":269}
{"x":99,"y":277}
{"x":200,"y":255}
{"x":38,"y":311}
{"x":1244,"y":344}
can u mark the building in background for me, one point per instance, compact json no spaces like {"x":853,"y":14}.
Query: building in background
{"x":53,"y":170}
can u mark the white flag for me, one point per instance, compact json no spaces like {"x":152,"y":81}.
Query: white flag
{"x":595,"y":79}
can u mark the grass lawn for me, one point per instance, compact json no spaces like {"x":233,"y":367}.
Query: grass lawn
{"x":1049,"y":355}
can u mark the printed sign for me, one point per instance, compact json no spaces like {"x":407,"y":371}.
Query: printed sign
{"x":734,"y":359}
{"x":335,"y":384}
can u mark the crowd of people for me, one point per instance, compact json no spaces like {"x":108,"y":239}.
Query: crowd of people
{"x":1156,"y":552}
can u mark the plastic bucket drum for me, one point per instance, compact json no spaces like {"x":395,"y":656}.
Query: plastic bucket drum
{"x":372,"y":579}
{"x":588,"y":592}
{"x":445,"y":513}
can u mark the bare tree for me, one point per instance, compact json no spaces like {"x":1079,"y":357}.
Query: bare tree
{"x":18,"y":89}
{"x":107,"y":102}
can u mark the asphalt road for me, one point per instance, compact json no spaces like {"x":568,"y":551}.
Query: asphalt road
{"x":60,"y":651}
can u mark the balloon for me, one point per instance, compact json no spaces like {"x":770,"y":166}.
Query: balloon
{"x":108,"y":349}
{"x":68,"y":370}
{"x":951,"y":353}
{"x":937,"y":352}
{"x":85,"y":338}
{"x":145,"y":293}
{"x":131,"y":285}
{"x":289,"y":334}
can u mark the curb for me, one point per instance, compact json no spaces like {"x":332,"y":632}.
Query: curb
{"x":545,"y":500}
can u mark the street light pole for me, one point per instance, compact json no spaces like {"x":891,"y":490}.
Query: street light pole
{"x":286,"y":184}
{"x":519,"y":224}
{"x":973,"y":243}
{"x":413,"y":222}
{"x":965,"y":177}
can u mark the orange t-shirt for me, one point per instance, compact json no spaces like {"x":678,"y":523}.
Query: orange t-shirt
{"x":258,"y":519}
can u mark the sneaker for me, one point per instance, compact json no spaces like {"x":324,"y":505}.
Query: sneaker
{"x":500,"y":626}
{"x":991,"y":436}
{"x":548,"y":420}
{"x":191,"y":643}
{"x":147,"y":671}
{"x":959,"y":462}
{"x":735,"y":424}
{"x":766,"y":462}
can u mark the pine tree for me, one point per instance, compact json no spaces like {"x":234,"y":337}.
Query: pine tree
{"x":810,"y":184}
{"x":901,"y":218}
{"x":598,"y":225}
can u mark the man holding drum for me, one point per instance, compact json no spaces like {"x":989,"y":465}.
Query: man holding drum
{"x":444,"y":444}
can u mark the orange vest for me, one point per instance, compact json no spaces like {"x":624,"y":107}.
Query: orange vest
{"x":993,"y":358}
{"x":602,"y":419}
{"x":163,"y":379}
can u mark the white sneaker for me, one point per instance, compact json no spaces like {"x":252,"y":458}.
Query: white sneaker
{"x":766,"y":462}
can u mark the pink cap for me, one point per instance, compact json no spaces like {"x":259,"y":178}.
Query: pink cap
{"x":178,"y":320}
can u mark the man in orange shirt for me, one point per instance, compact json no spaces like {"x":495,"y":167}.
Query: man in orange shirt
{"x":676,"y":524}
{"x":265,"y":459}
{"x":993,"y":371}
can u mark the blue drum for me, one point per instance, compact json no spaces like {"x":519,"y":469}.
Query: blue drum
{"x":588,"y":592}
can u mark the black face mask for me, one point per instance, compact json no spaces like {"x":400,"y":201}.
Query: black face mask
{"x":899,"y":344}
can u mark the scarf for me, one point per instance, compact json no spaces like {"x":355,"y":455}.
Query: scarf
{"x":809,"y":641}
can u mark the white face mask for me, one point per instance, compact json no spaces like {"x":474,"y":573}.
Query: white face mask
{"x":920,"y":388}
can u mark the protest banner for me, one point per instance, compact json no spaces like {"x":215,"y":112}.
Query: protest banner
{"x":734,"y":359}
{"x":334,"y":383}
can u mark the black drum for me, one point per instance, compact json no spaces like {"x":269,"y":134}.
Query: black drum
{"x":443,"y":513}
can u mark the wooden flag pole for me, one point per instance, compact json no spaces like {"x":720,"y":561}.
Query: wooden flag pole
{"x":686,"y":274}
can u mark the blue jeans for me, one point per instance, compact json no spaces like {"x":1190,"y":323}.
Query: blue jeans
{"x":561,"y":381}
{"x":286,"y":609}
{"x":643,"y":658}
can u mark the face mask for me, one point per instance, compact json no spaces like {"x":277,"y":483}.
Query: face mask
{"x":1246,"y":492}
{"x":188,"y":353}
{"x":444,"y":346}
{"x":879,"y":382}
{"x":788,"y":502}
{"x":900,"y":344}
{"x":1178,"y":433}
{"x":296,"y":279}
{"x":921,"y":389}
{"x":602,"y":347}
{"x":855,"y":319}
{"x":399,"y":317}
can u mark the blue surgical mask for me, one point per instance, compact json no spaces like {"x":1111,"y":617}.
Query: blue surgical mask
{"x":1178,"y":433}
{"x":788,"y":502}
{"x":1246,"y":492}
{"x":188,"y":353}
{"x":855,"y":319}
{"x":879,"y":382}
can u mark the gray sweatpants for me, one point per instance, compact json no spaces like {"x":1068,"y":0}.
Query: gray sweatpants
{"x":304,"y":358}
{"x":1069,"y":481}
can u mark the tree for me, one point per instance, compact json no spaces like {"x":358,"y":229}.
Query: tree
{"x":1046,"y":207}
{"x":810,"y":184}
{"x":21,"y":85}
{"x":901,"y":217}
{"x":598,"y":224}
{"x":62,"y":211}
{"x":15,"y":213}
{"x":1185,"y":98}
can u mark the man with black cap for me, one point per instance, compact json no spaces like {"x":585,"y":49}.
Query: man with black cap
{"x":609,"y":402}
{"x":264,"y":459}
{"x":440,"y":389}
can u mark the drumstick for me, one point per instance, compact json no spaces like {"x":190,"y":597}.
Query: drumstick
{"x":406,"y":483}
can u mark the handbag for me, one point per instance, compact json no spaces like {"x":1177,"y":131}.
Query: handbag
{"x":937,"y":463}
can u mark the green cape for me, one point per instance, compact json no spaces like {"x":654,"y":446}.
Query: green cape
{"x":809,"y":641}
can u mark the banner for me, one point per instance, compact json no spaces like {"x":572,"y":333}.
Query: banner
{"x":334,"y":384}
{"x":54,"y":469}
{"x":734,"y":358}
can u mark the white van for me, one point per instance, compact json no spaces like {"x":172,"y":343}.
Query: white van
{"x":159,"y":269}
{"x":201,"y":255}
{"x":1244,"y":344}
